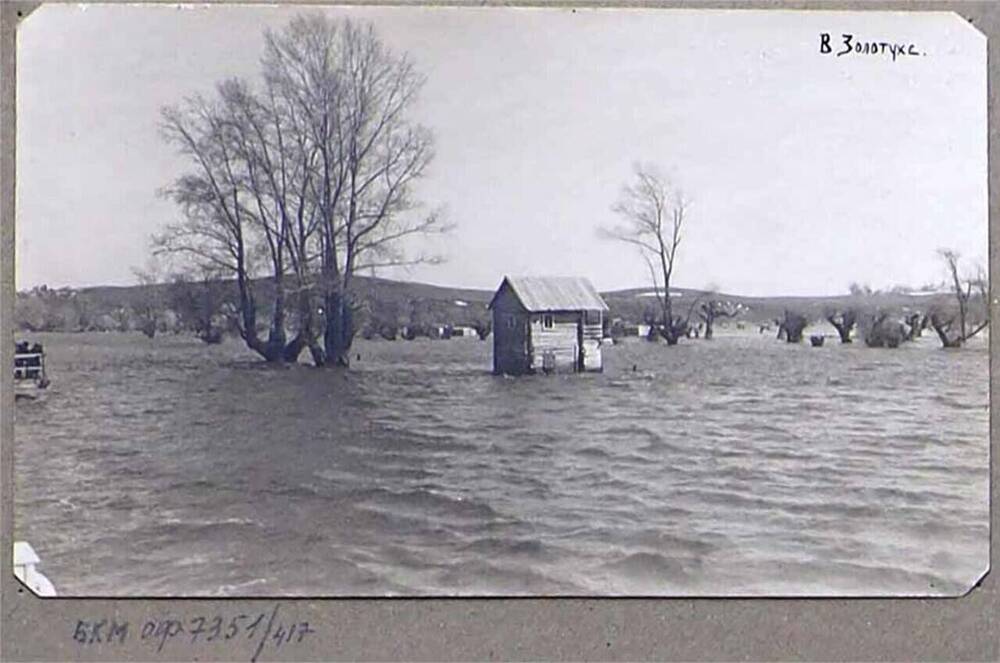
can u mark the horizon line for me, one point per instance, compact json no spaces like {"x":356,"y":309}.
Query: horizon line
{"x":647,"y":288}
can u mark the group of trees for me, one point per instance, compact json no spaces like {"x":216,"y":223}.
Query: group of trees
{"x":652,"y":215}
{"x":876,"y":327}
{"x":151,"y":308}
{"x":411,"y":318}
{"x":391,"y":331}
{"x":205,"y":306}
{"x":304,"y":177}
{"x":956,"y":316}
{"x":48,"y":309}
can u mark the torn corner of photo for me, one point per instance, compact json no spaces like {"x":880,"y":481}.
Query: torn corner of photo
{"x":25,"y":562}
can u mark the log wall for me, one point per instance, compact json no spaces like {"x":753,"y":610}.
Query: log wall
{"x":561,"y":342}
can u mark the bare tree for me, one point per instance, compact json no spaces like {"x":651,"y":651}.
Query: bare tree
{"x":793,"y":324}
{"x":879,"y":329}
{"x":121,"y":318}
{"x":843,"y":321}
{"x":216,"y":229}
{"x":310,"y":174}
{"x":354,"y":96}
{"x":200,"y":300}
{"x":149,"y":310}
{"x":956,"y":326}
{"x":653,"y":215}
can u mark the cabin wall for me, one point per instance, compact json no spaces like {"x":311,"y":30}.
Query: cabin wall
{"x":510,"y":336}
{"x":561,"y":342}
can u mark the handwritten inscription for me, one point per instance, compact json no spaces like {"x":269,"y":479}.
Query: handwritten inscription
{"x":851,"y":45}
{"x":256,"y":629}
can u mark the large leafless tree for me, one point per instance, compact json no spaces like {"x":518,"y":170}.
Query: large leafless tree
{"x":970,"y":315}
{"x":307,"y":176}
{"x":652,"y":217}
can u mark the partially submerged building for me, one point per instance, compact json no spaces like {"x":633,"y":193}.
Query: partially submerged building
{"x":547,"y":324}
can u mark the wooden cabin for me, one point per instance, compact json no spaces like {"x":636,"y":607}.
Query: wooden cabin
{"x":548,"y":325}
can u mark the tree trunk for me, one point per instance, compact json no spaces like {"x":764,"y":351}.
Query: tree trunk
{"x":950,"y":342}
{"x":248,"y":313}
{"x":277,"y":339}
{"x":942,"y":331}
{"x":916,"y":322}
{"x":843,"y":326}
{"x":339,"y":330}
{"x":306,"y":336}
{"x":672,"y":331}
{"x":318,"y":354}
{"x":707,"y":315}
{"x":794,"y":324}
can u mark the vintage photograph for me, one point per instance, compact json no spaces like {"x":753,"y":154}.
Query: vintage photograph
{"x":451,"y":301}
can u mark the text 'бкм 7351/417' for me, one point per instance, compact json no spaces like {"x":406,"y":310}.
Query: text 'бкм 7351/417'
{"x":257,"y":630}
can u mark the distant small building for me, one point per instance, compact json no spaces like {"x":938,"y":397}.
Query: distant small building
{"x":547,"y":324}
{"x":464,"y":332}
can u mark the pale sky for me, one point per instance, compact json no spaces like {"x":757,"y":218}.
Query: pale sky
{"x":806,"y":171}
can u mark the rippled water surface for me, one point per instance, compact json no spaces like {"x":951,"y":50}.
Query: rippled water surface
{"x":741,"y":465}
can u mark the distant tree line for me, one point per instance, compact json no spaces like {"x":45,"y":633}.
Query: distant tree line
{"x":207,"y":308}
{"x":652,"y":215}
{"x":956,"y":317}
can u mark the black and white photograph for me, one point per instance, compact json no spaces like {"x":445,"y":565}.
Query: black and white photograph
{"x":400,"y":301}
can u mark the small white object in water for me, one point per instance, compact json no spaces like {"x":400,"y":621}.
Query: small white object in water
{"x":25,"y":559}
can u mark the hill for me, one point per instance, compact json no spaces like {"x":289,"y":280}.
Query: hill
{"x":403,"y":302}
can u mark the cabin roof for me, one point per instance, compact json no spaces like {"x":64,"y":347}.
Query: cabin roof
{"x":553,"y":293}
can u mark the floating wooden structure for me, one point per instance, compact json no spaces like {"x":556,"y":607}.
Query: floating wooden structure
{"x":29,"y":370}
{"x":547,"y":324}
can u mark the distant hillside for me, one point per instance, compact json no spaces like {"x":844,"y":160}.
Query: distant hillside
{"x":115,"y":308}
{"x":403,"y":302}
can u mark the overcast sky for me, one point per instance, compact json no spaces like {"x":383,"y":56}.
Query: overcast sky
{"x":807,"y":171}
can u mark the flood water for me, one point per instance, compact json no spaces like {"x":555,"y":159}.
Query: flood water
{"x":741,"y":465}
